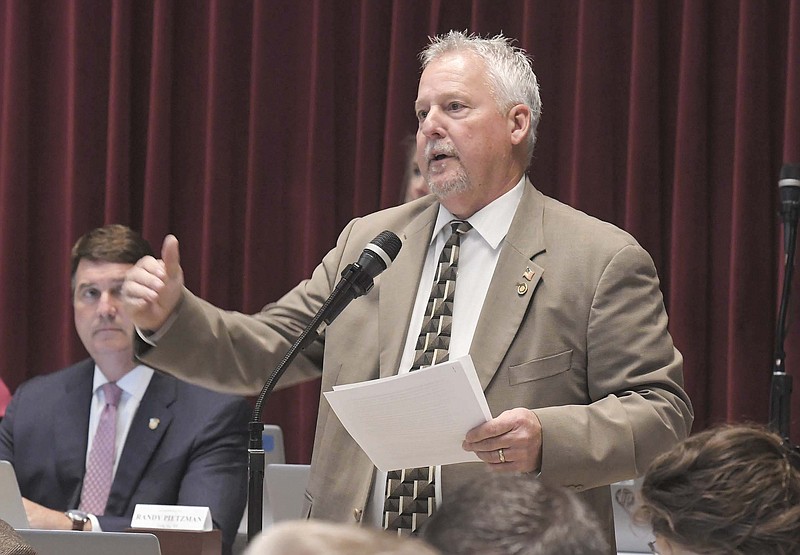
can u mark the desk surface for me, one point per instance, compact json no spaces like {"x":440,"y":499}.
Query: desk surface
{"x":183,"y":542}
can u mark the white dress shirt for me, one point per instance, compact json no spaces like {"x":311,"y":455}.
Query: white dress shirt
{"x":478,"y":255}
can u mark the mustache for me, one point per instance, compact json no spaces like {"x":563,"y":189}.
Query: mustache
{"x":439,"y":146}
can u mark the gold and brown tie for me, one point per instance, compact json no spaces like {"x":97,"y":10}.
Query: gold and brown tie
{"x":411,"y":493}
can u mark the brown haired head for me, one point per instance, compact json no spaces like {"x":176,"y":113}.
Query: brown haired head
{"x":514,"y":514}
{"x":110,"y":243}
{"x":732,"y":490}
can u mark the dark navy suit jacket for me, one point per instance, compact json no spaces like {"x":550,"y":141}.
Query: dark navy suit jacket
{"x":196,"y":455}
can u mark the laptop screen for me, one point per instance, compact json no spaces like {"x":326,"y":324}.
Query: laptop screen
{"x":68,"y":542}
{"x":285,"y":488}
{"x":11,"y":509}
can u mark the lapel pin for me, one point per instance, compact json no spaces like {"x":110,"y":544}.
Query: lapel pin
{"x":522,"y":288}
{"x":153,"y":424}
{"x":528,"y":274}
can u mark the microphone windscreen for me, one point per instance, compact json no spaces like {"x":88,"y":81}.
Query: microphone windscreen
{"x":379,"y":254}
{"x":789,"y":184}
{"x":389,"y":243}
{"x":790,"y":171}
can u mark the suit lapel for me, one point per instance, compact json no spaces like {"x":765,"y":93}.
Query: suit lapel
{"x":512,"y":287}
{"x":72,"y":430}
{"x":399,"y":288}
{"x":150,"y":423}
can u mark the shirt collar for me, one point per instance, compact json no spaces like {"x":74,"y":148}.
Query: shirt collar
{"x":492,"y":221}
{"x":133,"y":383}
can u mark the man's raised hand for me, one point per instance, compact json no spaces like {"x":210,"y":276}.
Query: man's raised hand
{"x":153,"y":288}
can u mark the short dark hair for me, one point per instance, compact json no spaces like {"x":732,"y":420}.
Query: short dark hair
{"x":733,"y":489}
{"x":514,"y":514}
{"x":110,"y":243}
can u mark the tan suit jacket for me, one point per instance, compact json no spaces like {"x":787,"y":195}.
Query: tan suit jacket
{"x":586,"y":347}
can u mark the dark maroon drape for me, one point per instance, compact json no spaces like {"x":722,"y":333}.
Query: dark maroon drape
{"x":254,"y":130}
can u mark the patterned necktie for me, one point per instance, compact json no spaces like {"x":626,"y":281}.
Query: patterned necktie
{"x":100,"y":466}
{"x":411,"y":493}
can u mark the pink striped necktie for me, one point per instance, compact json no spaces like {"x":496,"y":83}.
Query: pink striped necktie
{"x":100,"y":466}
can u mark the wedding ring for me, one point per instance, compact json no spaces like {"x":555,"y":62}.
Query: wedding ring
{"x":502,"y":455}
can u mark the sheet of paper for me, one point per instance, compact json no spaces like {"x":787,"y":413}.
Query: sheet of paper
{"x":414,"y":419}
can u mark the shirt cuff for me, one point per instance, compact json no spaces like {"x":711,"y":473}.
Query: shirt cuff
{"x":152,"y":337}
{"x":95,"y":523}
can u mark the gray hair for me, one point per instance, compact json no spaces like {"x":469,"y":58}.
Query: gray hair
{"x":509,"y":71}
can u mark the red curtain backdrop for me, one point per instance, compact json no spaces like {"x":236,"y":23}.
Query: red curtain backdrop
{"x":254,"y":130}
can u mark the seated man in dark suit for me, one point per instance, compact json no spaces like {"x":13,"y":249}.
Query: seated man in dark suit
{"x":166,"y":442}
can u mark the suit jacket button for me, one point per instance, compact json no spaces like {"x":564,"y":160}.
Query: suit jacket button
{"x":357,"y":514}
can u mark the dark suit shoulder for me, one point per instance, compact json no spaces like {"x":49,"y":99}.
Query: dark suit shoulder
{"x":82,"y":370}
{"x":201,"y":393}
{"x":199,"y":398}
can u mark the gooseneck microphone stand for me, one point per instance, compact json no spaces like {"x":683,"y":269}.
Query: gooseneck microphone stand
{"x":255,"y":449}
{"x":781,"y":388}
{"x":357,"y":279}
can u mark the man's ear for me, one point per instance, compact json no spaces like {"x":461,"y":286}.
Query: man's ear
{"x":519,"y":123}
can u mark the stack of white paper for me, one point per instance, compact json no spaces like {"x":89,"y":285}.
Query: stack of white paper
{"x":415,"y":419}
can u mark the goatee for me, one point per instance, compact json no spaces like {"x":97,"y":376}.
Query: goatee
{"x":457,"y":184}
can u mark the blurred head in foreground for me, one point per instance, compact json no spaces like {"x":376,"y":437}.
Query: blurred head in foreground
{"x":730,"y":490}
{"x":315,"y":537}
{"x":514,"y":514}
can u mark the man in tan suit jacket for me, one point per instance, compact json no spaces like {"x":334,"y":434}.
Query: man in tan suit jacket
{"x":568,"y":332}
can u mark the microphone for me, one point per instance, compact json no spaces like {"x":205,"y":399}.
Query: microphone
{"x":357,"y":278}
{"x":781,"y":387}
{"x":789,"y":187}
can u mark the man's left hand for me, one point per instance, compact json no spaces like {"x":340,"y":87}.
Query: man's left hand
{"x":517,"y":432}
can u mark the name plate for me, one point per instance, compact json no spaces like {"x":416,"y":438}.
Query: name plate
{"x":172,"y":517}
